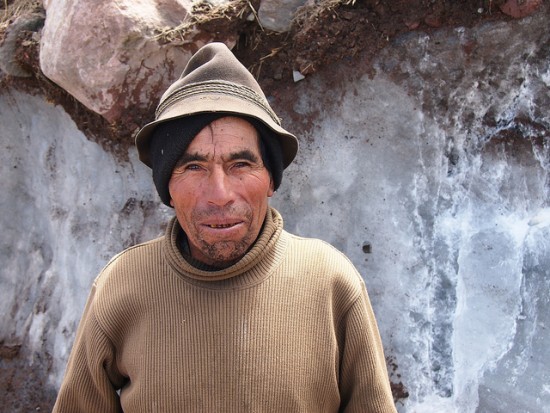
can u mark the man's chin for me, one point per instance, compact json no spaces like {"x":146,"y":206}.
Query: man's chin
{"x":224,"y":253}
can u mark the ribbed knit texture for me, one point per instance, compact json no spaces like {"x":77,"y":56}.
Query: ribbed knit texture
{"x":289,"y":328}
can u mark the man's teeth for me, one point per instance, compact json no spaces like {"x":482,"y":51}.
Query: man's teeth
{"x":220,"y":226}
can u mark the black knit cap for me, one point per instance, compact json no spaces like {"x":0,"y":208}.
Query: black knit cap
{"x":170,"y":140}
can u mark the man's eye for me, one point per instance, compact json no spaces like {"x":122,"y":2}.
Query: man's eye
{"x":192,"y":167}
{"x":180,"y":169}
{"x":241,"y":164}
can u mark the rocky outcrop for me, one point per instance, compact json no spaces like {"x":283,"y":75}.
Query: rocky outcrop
{"x":116,"y":57}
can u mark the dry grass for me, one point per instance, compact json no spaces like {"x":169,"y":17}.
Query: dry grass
{"x":203,"y":13}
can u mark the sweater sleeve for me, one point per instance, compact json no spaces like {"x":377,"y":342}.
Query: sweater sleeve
{"x":364,"y":383}
{"x":91,"y":380}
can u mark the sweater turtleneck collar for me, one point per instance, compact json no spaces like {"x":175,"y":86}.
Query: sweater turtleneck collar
{"x":257,"y":264}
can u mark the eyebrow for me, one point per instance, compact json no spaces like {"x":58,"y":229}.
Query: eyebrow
{"x":196,"y":157}
{"x":190,"y":157}
{"x":244,"y":154}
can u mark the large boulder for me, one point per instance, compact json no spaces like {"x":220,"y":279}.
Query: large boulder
{"x":108,"y":53}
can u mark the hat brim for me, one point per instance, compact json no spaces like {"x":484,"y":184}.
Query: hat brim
{"x":203,"y":103}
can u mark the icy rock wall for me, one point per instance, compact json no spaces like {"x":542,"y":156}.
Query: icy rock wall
{"x":67,"y":207}
{"x":432,"y":175}
{"x":439,"y":166}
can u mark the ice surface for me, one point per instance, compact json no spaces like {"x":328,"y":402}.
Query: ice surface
{"x":446,"y":175}
{"x":67,"y":207}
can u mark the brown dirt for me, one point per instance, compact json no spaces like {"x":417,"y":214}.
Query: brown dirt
{"x":320,"y":37}
{"x":349,"y":33}
{"x":24,"y":388}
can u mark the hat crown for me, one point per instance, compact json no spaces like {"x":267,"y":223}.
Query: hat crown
{"x":214,"y":68}
{"x":216,"y":62}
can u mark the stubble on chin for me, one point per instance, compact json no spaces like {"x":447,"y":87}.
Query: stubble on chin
{"x":225,"y":253}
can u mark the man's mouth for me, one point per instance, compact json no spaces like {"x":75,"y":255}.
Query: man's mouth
{"x":221,"y":225}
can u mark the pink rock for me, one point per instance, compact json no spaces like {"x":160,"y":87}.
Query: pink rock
{"x":107,"y":53}
{"x":520,"y":8}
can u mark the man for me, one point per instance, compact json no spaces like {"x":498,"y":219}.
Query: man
{"x":227,"y":312}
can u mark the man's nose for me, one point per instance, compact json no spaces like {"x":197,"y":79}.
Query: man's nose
{"x":220,"y":191}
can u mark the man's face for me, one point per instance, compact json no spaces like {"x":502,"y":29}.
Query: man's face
{"x":220,"y":189}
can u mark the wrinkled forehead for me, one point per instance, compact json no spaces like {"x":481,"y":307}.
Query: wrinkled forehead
{"x":227,"y":134}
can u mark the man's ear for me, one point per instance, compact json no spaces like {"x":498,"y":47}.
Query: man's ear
{"x":171,"y":202}
{"x":271,"y":190}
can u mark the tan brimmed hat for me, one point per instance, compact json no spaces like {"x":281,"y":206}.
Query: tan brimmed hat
{"x":214,"y":81}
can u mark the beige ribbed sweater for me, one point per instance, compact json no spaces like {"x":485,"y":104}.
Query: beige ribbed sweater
{"x":289,"y":328}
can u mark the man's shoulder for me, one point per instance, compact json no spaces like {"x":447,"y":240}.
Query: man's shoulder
{"x":320,"y":256}
{"x":316,"y":246}
{"x":146,"y":247}
{"x":132,"y":260}
{"x":125,"y":282}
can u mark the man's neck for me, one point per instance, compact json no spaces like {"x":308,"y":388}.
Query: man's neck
{"x":185,"y":251}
